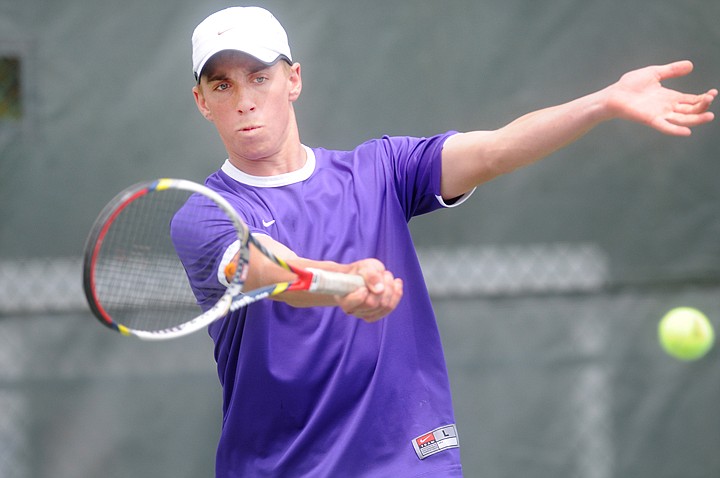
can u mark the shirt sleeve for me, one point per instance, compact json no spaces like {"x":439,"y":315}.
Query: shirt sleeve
{"x":417,"y":171}
{"x":201,"y":245}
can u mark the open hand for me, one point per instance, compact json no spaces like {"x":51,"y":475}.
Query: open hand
{"x":639,"y":96}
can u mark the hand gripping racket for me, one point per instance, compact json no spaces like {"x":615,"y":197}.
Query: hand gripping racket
{"x":135,"y":282}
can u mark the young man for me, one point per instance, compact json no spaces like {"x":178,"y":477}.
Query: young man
{"x":309,"y":390}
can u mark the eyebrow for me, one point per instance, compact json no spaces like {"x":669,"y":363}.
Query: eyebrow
{"x":216,"y":77}
{"x":221,"y":75}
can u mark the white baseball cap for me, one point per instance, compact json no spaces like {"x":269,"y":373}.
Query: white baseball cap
{"x":252,"y":30}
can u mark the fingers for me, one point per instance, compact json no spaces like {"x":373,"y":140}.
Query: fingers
{"x":674,"y":70}
{"x":381,"y":295}
{"x":688,"y":112}
{"x":690,"y":120}
{"x":666,"y":126}
{"x":373,"y":307}
{"x":693,"y":104}
{"x":680,"y":124}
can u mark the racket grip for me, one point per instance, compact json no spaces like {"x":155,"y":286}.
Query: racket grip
{"x":335,"y":283}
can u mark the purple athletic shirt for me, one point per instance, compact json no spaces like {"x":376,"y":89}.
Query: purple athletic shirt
{"x":311,"y":392}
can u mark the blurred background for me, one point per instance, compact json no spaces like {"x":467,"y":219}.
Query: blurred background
{"x":559,"y":272}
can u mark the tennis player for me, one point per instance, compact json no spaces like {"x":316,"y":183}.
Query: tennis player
{"x":309,"y":390}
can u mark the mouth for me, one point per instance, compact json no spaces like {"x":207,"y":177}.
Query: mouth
{"x":249,"y":129}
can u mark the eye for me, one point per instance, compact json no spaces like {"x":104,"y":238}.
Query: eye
{"x":222,"y":86}
{"x":260,"y":80}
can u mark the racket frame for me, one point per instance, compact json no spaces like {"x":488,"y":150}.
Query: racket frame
{"x":102,"y":225}
{"x":310,"y":279}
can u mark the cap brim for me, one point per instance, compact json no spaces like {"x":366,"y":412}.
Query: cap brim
{"x":266,"y":56}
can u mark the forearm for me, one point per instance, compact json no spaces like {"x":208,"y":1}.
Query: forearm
{"x":541,"y":133}
{"x":472,"y":158}
{"x":263,"y":272}
{"x":306,"y":299}
{"x":381,"y":294}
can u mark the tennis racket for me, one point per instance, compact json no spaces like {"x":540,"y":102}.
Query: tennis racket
{"x":135,"y":281}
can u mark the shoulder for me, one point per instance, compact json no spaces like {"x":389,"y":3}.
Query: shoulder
{"x":378,"y":149}
{"x":400,"y":146}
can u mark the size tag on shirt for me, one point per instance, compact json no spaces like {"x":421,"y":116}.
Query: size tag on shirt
{"x":436,"y":441}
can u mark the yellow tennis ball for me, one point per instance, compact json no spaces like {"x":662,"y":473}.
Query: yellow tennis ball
{"x":686,"y":333}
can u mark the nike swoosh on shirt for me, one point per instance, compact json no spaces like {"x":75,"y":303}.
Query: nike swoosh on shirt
{"x":425,"y":439}
{"x":268,"y":223}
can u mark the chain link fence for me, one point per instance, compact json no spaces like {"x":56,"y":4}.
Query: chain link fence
{"x":45,"y":285}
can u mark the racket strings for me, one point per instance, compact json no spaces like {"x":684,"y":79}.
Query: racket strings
{"x":139,"y":278}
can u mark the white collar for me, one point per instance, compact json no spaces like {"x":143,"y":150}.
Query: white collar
{"x":283,"y":179}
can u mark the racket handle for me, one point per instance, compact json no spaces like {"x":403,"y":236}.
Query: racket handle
{"x":335,"y":283}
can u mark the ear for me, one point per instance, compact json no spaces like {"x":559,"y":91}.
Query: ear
{"x":201,"y":103}
{"x":295,"y":80}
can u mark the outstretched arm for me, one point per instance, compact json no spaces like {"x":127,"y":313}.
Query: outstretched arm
{"x":639,"y":96}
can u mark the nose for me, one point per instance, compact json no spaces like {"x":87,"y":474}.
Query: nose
{"x":244,"y":102}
